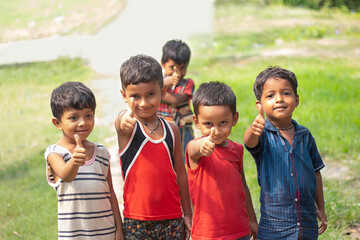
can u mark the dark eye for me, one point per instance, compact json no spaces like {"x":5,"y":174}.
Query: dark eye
{"x":223,"y":122}
{"x":208,"y":124}
{"x":89,"y":116}
{"x":151,"y":94}
{"x":269,"y":96}
{"x":73,"y":118}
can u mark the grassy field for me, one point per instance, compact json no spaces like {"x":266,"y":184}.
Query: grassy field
{"x":28,"y":19}
{"x":323,"y":49}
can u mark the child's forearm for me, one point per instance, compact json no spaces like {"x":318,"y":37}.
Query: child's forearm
{"x":194,"y":149}
{"x":249,"y":204}
{"x":320,"y":202}
{"x":175,"y":99}
{"x":250,"y":139}
{"x":182,"y":181}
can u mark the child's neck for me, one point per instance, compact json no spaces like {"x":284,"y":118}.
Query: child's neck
{"x":152,"y":127}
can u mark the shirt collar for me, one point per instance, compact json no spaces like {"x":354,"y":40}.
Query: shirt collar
{"x":271,"y":127}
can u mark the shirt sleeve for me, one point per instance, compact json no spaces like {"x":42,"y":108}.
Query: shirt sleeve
{"x":188,"y":88}
{"x":317,"y":161}
{"x":257,"y":151}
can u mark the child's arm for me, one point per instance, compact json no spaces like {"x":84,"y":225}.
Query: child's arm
{"x":67,"y":171}
{"x":175,"y":99}
{"x":200,"y":147}
{"x":251,"y":136}
{"x":182,"y":181}
{"x":250,"y":208}
{"x":320,"y":203}
{"x":115,"y":208}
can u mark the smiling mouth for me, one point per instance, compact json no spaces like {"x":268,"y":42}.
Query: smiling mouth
{"x":280,"y":108}
{"x":82,"y":131}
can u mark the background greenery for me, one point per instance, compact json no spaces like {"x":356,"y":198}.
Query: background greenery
{"x":321,"y":47}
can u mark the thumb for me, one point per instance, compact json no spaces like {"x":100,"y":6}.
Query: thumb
{"x":260,"y":110}
{"x":78,"y":141}
{"x":211,"y":137}
{"x":132,"y":107}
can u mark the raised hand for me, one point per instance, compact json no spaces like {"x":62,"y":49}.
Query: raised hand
{"x":208,"y":145}
{"x":258,"y":125}
{"x":79,"y":154}
{"x":127,"y":122}
{"x":175,"y":76}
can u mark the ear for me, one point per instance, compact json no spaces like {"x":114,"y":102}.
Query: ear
{"x":297,"y":100}
{"x":163,"y":91}
{"x":56,"y":123}
{"x":196,"y":122}
{"x":123,"y":94}
{"x":236,"y":118}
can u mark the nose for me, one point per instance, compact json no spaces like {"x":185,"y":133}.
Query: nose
{"x":142,"y":102}
{"x":82,"y":122}
{"x":278,"y":97}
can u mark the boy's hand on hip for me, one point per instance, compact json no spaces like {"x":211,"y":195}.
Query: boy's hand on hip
{"x":258,"y":124}
{"x":128,"y":121}
{"x":208,"y":145}
{"x":79,"y":154}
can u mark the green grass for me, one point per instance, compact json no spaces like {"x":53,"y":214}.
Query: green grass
{"x":27,"y":19}
{"x":27,"y":202}
{"x":326,"y":62}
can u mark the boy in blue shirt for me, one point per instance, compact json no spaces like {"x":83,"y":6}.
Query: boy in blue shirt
{"x":288,"y":162}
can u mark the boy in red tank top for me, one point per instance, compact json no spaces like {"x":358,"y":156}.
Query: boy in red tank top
{"x":222,"y":202}
{"x":156,"y":194}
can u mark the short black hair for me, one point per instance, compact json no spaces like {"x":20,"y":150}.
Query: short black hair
{"x":176,"y":50}
{"x":71,"y":95}
{"x":273,"y":72}
{"x":140,"y":69}
{"x":214,"y":94}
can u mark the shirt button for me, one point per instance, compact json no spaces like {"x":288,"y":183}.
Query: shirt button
{"x":298,"y":224}
{"x":296,"y":199}
{"x":291,"y":174}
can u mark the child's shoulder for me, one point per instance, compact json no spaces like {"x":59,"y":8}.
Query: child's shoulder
{"x":55,"y":148}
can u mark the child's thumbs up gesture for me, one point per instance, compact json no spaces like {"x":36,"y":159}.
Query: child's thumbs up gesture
{"x":79,"y":154}
{"x":175,"y":76}
{"x":128,"y":121}
{"x":208,"y":144}
{"x":258,"y":124}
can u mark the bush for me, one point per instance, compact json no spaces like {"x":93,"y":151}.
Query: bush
{"x":350,"y":5}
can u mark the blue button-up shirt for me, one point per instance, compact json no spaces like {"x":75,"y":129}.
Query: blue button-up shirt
{"x":287,"y":179}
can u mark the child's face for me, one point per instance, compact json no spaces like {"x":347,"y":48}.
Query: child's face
{"x":219,"y":117}
{"x":146,"y":99}
{"x":73,"y":121}
{"x":171,"y":68}
{"x":278,"y":100}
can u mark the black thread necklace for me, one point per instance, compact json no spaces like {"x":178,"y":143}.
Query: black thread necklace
{"x":286,"y":129}
{"x":152,"y":130}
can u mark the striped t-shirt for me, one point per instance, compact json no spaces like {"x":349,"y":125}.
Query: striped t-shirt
{"x":84,"y":209}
